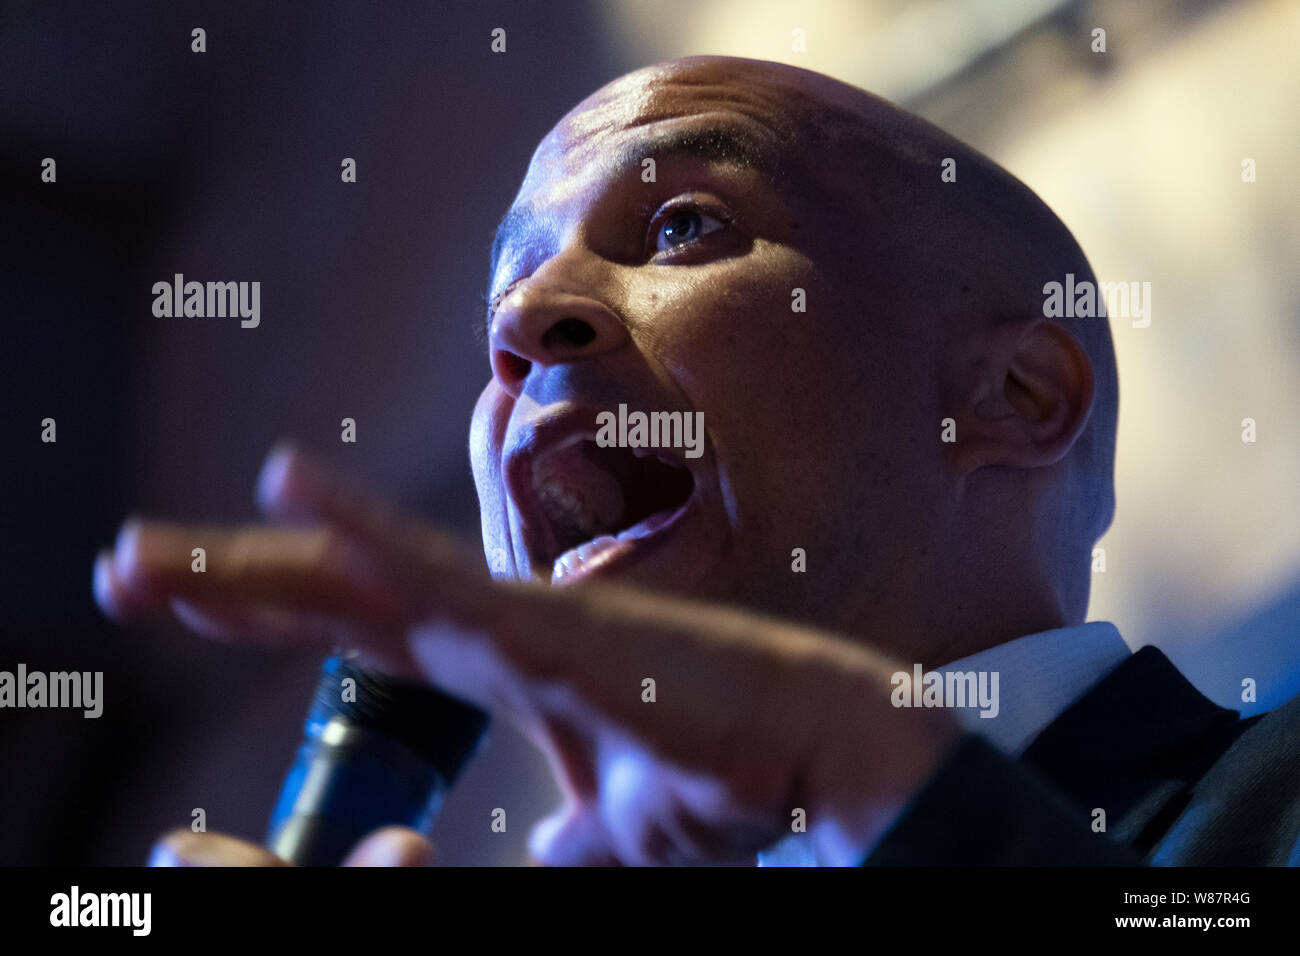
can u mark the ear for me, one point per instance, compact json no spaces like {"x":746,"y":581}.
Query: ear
{"x":1025,"y":397}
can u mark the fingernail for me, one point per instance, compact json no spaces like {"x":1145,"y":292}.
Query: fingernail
{"x":273,"y":479}
{"x":163,"y":855}
{"x":102,"y":583}
{"x":191,"y":616}
{"x":126,"y":548}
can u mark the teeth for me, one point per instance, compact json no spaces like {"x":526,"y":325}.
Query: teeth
{"x":669,"y":460}
{"x":589,"y":550}
{"x":565,"y":564}
{"x":572,"y":560}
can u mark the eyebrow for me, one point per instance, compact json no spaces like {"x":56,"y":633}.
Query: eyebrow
{"x":713,"y":144}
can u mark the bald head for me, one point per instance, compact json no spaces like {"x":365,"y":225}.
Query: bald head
{"x":923,"y":302}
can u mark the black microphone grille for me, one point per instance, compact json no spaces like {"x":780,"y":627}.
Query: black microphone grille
{"x":443,"y":729}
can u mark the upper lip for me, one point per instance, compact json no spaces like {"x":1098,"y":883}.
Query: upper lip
{"x":549,"y":431}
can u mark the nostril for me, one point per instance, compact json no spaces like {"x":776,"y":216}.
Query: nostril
{"x":514,"y":368}
{"x":571,"y":332}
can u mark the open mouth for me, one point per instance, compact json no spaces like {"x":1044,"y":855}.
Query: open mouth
{"x":601,"y":502}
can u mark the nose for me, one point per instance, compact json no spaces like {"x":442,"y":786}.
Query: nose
{"x":539,"y":323}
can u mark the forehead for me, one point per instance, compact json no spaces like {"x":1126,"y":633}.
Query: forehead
{"x":777,"y":105}
{"x":648,"y":101}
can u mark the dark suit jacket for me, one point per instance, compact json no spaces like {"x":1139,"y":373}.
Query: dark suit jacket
{"x":1182,"y":781}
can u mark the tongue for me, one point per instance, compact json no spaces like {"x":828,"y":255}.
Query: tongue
{"x":602,"y":489}
{"x":581,"y":470}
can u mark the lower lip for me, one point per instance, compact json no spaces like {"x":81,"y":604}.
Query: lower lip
{"x":639,"y":539}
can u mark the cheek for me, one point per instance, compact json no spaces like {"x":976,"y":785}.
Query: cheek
{"x":767,"y":378}
{"x":486,"y":434}
{"x":796,"y":395}
{"x":749,"y":343}
{"x":487,"y":428}
{"x":732,"y":322}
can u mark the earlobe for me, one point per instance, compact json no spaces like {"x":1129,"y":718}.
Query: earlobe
{"x":1029,"y":401}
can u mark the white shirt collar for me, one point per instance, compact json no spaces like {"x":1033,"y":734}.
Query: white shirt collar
{"x":1039,"y":677}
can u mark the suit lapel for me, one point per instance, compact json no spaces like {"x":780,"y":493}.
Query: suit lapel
{"x":1134,"y":745}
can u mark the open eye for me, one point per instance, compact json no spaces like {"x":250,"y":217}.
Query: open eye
{"x":685,"y":224}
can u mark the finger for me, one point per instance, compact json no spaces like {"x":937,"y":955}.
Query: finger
{"x":294,"y":486}
{"x":392,"y":846}
{"x":316,"y":570}
{"x":588,"y":655}
{"x":238,"y":622}
{"x":567,"y":746}
{"x":187,"y":848}
{"x":226,"y":622}
{"x":430,"y":566}
{"x":261,"y":624}
{"x":368,"y":646}
{"x":115,"y":599}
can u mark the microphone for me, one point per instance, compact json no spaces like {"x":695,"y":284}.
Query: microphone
{"x":376,"y":751}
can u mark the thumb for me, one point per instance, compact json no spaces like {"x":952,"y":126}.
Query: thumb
{"x":392,"y":846}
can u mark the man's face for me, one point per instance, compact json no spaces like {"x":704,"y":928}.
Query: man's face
{"x":709,"y":289}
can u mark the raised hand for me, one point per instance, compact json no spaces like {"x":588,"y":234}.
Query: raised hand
{"x":752,"y":718}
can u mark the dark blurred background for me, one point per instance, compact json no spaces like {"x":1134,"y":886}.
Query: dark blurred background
{"x":225,"y":165}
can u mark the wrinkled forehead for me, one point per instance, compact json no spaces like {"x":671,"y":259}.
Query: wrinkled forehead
{"x":756,"y":109}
